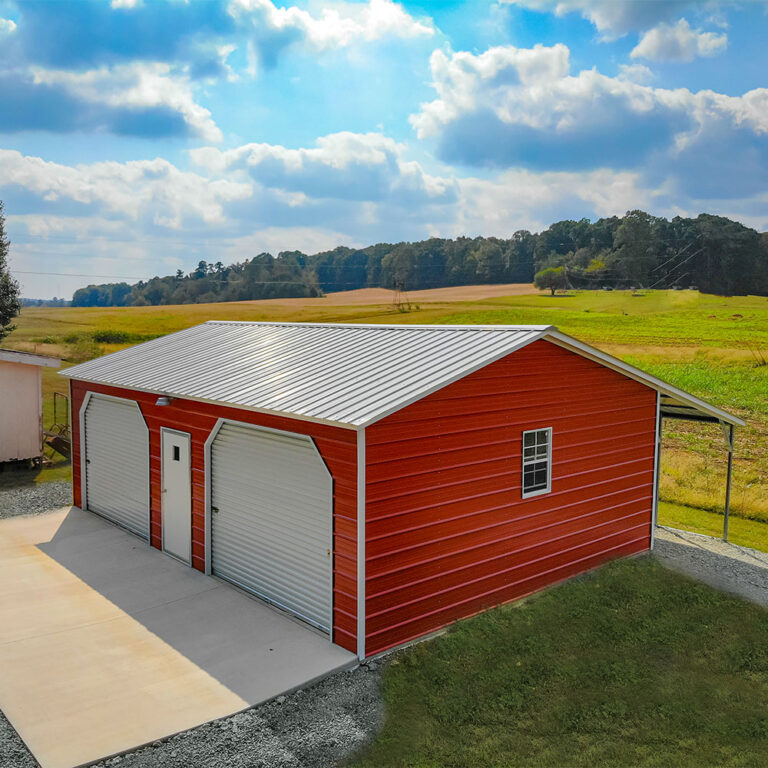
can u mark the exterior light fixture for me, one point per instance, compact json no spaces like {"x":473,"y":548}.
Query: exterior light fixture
{"x":163,"y":400}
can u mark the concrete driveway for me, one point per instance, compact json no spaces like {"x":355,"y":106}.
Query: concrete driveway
{"x":107,"y":644}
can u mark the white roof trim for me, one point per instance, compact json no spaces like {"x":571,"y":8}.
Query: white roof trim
{"x":28,"y":358}
{"x":396,"y":326}
{"x":684,"y":398}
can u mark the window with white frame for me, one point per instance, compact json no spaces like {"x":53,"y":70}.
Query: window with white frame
{"x":537,"y":461}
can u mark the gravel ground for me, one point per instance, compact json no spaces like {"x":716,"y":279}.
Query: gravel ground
{"x":13,"y":753}
{"x":33,"y":499}
{"x":727,"y":567}
{"x":311,"y":728}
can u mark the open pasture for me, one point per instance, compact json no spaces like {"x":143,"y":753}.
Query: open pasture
{"x":713,"y":346}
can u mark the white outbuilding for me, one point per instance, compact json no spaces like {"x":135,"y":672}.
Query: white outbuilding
{"x":21,"y":404}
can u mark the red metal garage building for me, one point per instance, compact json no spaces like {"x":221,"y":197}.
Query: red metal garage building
{"x":377,"y":481}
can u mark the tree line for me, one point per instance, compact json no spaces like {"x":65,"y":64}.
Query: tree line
{"x":713,"y":253}
{"x":10,"y":301}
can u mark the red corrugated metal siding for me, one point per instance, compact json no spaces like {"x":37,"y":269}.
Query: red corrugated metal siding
{"x":337,"y":446}
{"x":447,"y":532}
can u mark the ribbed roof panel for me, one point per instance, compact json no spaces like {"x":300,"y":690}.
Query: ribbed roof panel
{"x":341,"y":374}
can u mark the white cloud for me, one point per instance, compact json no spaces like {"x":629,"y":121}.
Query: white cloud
{"x":635,"y":73}
{"x":347,"y":166}
{"x":678,"y":42}
{"x":7,"y":26}
{"x":613,"y":18}
{"x":515,"y":83}
{"x":337,"y":25}
{"x":125,"y":4}
{"x":511,"y":107}
{"x":135,"y":86}
{"x":152,"y":190}
{"x":77,"y":227}
{"x":276,"y":239}
{"x":521,"y":199}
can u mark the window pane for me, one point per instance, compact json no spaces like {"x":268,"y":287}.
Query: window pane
{"x":528,"y":477}
{"x":536,"y":460}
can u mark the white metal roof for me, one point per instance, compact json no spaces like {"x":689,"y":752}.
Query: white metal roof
{"x":348,"y":375}
{"x":28,"y":358}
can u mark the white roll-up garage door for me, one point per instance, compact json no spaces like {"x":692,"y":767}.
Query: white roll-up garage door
{"x":116,"y":455}
{"x":271,"y":519}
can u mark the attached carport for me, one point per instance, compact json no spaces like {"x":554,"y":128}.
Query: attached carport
{"x":671,"y":403}
{"x":107,"y":644}
{"x":671,"y":407}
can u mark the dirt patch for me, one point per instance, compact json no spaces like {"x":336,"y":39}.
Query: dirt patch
{"x":384,"y":296}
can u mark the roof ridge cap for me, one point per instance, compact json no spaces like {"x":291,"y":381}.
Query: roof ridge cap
{"x":385,"y":326}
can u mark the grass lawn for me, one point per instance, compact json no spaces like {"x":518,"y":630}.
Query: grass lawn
{"x":631,"y":665}
{"x":745,"y":533}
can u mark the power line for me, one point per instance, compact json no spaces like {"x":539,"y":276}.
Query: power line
{"x":76,"y":274}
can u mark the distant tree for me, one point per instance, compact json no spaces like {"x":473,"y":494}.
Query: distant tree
{"x":596,"y":268}
{"x":635,"y":247}
{"x":490,"y":262}
{"x":551,"y":278}
{"x":10,"y":302}
{"x":201,"y":271}
{"x":398,"y":267}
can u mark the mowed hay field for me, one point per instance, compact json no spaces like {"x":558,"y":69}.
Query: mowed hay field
{"x":713,"y":346}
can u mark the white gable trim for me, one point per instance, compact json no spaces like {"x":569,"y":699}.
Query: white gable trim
{"x":585,"y":350}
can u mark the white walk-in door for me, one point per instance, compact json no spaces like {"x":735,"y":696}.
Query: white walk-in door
{"x":116,"y":459}
{"x":271,"y":519}
{"x":176,"y":493}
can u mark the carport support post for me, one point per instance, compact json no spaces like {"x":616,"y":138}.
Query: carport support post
{"x":728,"y":483}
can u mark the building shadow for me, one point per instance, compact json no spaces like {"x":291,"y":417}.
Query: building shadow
{"x":253,"y":649}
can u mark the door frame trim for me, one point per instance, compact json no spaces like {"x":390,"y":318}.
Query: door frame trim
{"x":188,"y":435}
{"x":208,"y":494}
{"x":84,"y":453}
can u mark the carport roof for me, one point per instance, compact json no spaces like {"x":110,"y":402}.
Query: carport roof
{"x":346,"y":375}
{"x":28,"y":358}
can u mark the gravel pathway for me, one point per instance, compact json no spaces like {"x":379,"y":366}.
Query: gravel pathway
{"x":13,"y":753}
{"x":727,"y":567}
{"x":33,"y":499}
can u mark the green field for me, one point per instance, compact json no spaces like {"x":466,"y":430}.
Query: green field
{"x":715,"y":347}
{"x":630,"y":665}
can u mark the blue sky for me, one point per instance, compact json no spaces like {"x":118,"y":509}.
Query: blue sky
{"x":140,"y":136}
